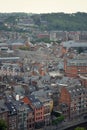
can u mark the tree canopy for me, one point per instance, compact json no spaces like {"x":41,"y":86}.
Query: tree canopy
{"x":3,"y":125}
{"x":80,"y":128}
{"x":50,"y":21}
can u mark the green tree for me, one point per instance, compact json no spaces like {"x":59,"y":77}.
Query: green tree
{"x":80,"y":50}
{"x":3,"y":125}
{"x":58,"y":120}
{"x":80,"y":128}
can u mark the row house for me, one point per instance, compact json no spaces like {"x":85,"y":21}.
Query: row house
{"x":24,"y":112}
{"x":38,"y":109}
{"x":47,"y":113}
{"x":12,"y":116}
{"x":10,"y":69}
{"x":20,"y":115}
{"x":46,"y":96}
{"x":17,"y":115}
{"x":73,"y":101}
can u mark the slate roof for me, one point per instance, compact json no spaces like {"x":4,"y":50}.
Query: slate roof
{"x":3,"y":107}
{"x":35,"y":101}
{"x":67,"y":81}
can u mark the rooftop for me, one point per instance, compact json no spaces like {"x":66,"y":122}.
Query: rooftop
{"x":35,"y":101}
{"x":3,"y":107}
{"x":70,"y":44}
{"x":67,"y":81}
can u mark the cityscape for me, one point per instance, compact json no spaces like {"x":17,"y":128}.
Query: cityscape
{"x":43,"y":71}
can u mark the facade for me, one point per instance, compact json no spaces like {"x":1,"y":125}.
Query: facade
{"x":66,"y":46}
{"x":73,"y":101}
{"x":43,"y":35}
{"x":83,"y":35}
{"x":73,"y":35}
{"x":75,"y":67}
{"x":20,"y":116}
{"x":38,"y":109}
{"x":58,"y":35}
{"x":12,"y":116}
{"x":46,"y":95}
{"x":47,"y":113}
{"x":83,"y":79}
{"x":30,"y":120}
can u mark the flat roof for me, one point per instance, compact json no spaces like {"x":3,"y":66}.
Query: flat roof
{"x":9,"y":58}
{"x":69,"y":44}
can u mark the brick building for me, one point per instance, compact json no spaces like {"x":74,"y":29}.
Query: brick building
{"x":74,"y":67}
{"x":73,"y":101}
{"x":38,"y":109}
{"x":43,"y":35}
{"x":17,"y":114}
{"x":47,"y":113}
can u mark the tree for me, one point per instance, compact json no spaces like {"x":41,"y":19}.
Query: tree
{"x":58,"y":120}
{"x":3,"y":125}
{"x":80,"y":50}
{"x":80,"y":128}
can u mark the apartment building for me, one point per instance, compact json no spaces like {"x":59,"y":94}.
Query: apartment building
{"x":58,"y":35}
{"x":73,"y":101}
{"x":38,"y":109}
{"x":12,"y":116}
{"x":24,"y":122}
{"x":75,"y":67}
{"x":30,"y":119}
{"x":46,"y":95}
{"x":47,"y":113}
{"x":43,"y":35}
{"x":20,"y":116}
{"x":83,"y":35}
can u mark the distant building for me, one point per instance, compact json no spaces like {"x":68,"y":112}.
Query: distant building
{"x":73,"y":35}
{"x":43,"y":35}
{"x":16,"y":45}
{"x":66,"y":46}
{"x":58,"y":36}
{"x":83,"y":36}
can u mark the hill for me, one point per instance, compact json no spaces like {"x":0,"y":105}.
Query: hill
{"x":51,"y":21}
{"x":62,"y":21}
